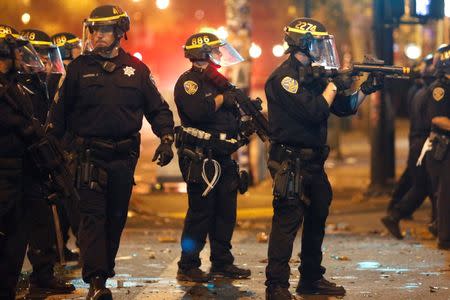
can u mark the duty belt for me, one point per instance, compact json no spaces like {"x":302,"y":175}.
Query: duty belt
{"x":280,"y":152}
{"x":109,"y":145}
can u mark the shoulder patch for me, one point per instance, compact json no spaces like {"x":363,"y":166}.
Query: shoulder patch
{"x":190,"y":87}
{"x":290,"y":84}
{"x":438,"y":93}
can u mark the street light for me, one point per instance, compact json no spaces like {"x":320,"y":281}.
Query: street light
{"x":162,"y":4}
{"x":413,"y":51}
{"x":278,"y":50}
{"x":255,"y":51}
{"x":222,"y":33}
{"x":26,"y":18}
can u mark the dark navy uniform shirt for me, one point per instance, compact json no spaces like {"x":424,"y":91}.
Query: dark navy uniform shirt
{"x":194,"y":97}
{"x":95,"y":103}
{"x":298,"y":112}
{"x":439,"y":99}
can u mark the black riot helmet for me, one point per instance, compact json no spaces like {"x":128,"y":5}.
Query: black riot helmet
{"x":209,"y":48}
{"x":47,"y":51}
{"x":15,"y":47}
{"x":443,"y":60}
{"x":105,"y":16}
{"x":68,"y":44}
{"x":312,"y":39}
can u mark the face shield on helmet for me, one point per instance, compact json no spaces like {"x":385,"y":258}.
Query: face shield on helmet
{"x":103,"y":30}
{"x":26,"y":59}
{"x":225,"y":55}
{"x":322,"y":51}
{"x":51,"y":58}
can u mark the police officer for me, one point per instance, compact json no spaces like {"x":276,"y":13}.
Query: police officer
{"x":420,"y":124}
{"x":206,"y":139}
{"x":299,"y":107}
{"x":102,"y":101}
{"x":16,"y":110}
{"x":438,"y":159}
{"x":41,"y":250}
{"x":69,"y":46}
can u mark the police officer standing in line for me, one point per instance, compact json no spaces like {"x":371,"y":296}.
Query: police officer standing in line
{"x":420,"y":125}
{"x":16,"y":110}
{"x":299,"y":107}
{"x":69,"y":46}
{"x":205,"y":141}
{"x":41,"y":250}
{"x":438,"y":159}
{"x":102,"y":102}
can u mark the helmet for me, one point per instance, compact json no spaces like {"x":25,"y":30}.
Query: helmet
{"x":311,"y":38}
{"x":47,"y":51}
{"x":208,"y":47}
{"x":17,"y":48}
{"x":66,"y":42}
{"x":443,"y":62}
{"x":106,"y":15}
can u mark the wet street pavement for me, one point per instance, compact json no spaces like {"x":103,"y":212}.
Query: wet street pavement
{"x":357,"y":251}
{"x":357,"y":254}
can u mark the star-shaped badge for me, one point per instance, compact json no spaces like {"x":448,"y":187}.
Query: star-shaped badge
{"x":129,"y":71}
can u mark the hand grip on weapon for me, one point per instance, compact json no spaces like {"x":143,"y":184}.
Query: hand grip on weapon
{"x":373,"y":83}
{"x":342,"y":82}
{"x":164,"y":153}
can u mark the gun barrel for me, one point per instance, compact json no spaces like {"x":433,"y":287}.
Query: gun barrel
{"x":394,"y":70}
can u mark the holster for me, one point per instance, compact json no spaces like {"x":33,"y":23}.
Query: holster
{"x":89,"y":174}
{"x":193,"y":171}
{"x":440,"y":145}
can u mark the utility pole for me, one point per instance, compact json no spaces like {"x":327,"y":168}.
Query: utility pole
{"x":382,"y":129}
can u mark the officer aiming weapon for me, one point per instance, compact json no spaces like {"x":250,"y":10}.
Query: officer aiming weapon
{"x":369,"y":65}
{"x":250,"y":108}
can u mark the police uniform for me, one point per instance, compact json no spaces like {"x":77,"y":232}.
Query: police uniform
{"x":215,"y":214}
{"x":104,"y":110}
{"x":299,"y":105}
{"x":420,"y":187}
{"x":298,"y":122}
{"x":212,"y":134}
{"x":438,"y":159}
{"x":13,"y":179}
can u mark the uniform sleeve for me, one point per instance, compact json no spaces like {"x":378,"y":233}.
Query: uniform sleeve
{"x":298,"y":101}
{"x":342,"y":106}
{"x":193,"y":102}
{"x":438,"y":97}
{"x":156,"y":109}
{"x":62,"y":104}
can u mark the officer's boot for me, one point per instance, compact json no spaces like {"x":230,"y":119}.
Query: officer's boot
{"x":278,"y":293}
{"x":51,"y":284}
{"x":192,"y":275}
{"x":229,"y":271}
{"x":98,"y":290}
{"x":392,"y":224}
{"x":319,"y":287}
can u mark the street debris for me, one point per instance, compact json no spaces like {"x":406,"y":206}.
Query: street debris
{"x":262,"y":237}
{"x":340,"y":257}
{"x":167,"y":239}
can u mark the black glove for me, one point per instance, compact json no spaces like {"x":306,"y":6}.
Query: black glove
{"x":164,"y":153}
{"x":342,"y":82}
{"x":373,"y":83}
{"x":229,"y":99}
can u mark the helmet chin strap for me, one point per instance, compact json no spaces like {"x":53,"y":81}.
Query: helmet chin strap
{"x":107,"y":52}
